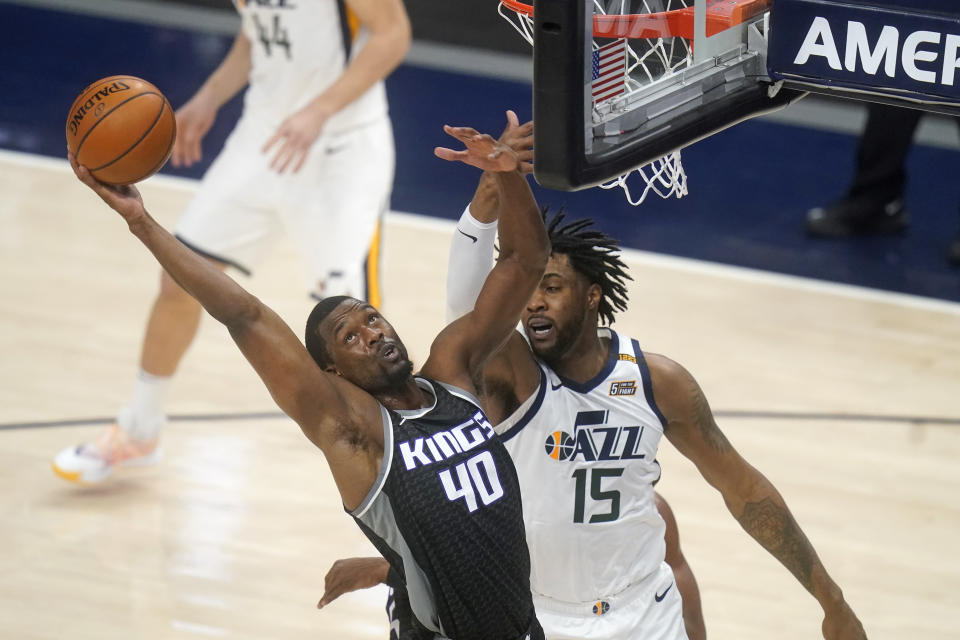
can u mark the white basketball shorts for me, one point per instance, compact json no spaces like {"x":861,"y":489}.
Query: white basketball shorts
{"x":332,"y":209}
{"x":651,"y":610}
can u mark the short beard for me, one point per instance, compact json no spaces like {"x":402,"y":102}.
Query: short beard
{"x":393,"y":380}
{"x":566,"y":338}
{"x":402,"y":374}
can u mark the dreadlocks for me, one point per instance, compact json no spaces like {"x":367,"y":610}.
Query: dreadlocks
{"x":596,"y":256}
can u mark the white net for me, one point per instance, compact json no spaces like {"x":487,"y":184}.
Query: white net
{"x":648,"y":60}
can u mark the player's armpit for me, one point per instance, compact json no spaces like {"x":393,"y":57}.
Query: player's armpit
{"x":509,"y":378}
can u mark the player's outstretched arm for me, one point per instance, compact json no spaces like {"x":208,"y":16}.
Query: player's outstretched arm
{"x":387,"y":44}
{"x":460,"y":351}
{"x":195,"y":118}
{"x":315,"y":400}
{"x":750,"y":497}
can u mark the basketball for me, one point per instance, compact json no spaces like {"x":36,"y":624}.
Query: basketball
{"x":122,"y":129}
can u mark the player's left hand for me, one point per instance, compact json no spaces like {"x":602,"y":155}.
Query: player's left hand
{"x":352,"y":574}
{"x":841,"y":623}
{"x":124,"y":199}
{"x":295,"y":136}
{"x":482,"y":151}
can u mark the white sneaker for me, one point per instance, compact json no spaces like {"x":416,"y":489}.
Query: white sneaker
{"x":95,"y":461}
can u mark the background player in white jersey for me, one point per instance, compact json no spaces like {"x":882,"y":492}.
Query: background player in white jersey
{"x":601,"y":464}
{"x":312,"y":156}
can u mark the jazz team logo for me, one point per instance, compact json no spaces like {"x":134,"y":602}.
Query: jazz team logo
{"x":593,"y":439}
{"x":559,"y":445}
{"x":623,"y":387}
{"x":601,"y":607}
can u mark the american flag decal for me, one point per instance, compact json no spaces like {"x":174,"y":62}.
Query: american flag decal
{"x":609,"y":69}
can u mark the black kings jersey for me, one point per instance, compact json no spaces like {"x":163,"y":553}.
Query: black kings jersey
{"x":445,"y":512}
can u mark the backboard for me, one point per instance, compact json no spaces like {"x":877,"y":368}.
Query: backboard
{"x":619,"y":83}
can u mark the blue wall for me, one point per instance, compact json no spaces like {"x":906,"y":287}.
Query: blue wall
{"x":750,"y":185}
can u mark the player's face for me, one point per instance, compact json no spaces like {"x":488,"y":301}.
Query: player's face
{"x":364,"y":347}
{"x":559,"y":309}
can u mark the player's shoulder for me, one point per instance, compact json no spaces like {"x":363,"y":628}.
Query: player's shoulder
{"x":672,"y":383}
{"x":664,"y":367}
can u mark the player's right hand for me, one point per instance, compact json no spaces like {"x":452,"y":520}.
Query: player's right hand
{"x":519,"y":137}
{"x":352,"y":574}
{"x":194,"y":119}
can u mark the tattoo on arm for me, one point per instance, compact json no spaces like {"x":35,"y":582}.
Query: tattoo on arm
{"x":703,"y":418}
{"x":776,"y":530}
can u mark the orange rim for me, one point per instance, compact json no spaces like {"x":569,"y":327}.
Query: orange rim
{"x":721,"y":15}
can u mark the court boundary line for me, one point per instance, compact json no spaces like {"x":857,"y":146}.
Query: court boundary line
{"x":742,"y":414}
{"x":644,"y":258}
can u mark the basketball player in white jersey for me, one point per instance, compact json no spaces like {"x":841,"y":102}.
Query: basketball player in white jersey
{"x":312,"y":157}
{"x":582,"y":409}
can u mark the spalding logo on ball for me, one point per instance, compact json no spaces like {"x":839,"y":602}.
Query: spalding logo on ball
{"x":122,"y":129}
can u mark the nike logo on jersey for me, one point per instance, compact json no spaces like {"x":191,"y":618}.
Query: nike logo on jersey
{"x":473,"y":238}
{"x":333,"y":150}
{"x":446,"y":444}
{"x":554,"y":387}
{"x":660,"y":596}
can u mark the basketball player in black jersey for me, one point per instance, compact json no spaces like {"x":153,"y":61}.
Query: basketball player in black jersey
{"x":414,"y":458}
{"x":584,"y":279}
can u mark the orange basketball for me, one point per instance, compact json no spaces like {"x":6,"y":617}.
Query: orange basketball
{"x":122,"y":129}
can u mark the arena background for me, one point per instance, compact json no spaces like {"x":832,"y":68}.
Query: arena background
{"x":844,"y":395}
{"x":749,"y":186}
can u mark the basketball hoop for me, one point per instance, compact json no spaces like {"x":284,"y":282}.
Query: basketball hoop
{"x":677,"y":22}
{"x":656,"y":43}
{"x":657,"y":38}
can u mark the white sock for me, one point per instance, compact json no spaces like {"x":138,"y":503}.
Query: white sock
{"x":144,"y":417}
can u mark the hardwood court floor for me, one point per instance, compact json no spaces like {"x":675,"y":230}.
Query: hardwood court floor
{"x":230,"y":536}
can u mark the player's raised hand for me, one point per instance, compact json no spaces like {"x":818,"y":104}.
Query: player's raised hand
{"x":519,"y":137}
{"x":351,"y":574}
{"x":125,"y":199}
{"x":194,"y":120}
{"x":482,"y":151}
{"x":296,"y":135}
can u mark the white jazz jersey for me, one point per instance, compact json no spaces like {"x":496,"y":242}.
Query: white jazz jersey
{"x":298,"y":48}
{"x":586,"y":457}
